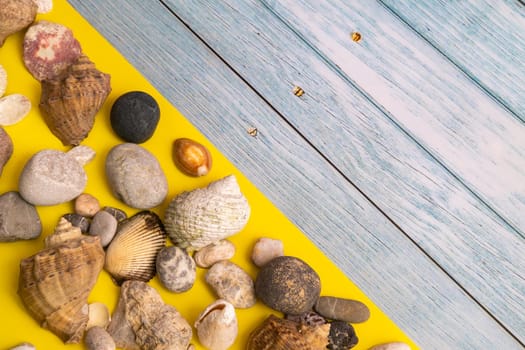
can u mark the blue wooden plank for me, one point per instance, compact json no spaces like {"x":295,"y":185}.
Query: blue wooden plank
{"x":418,"y":295}
{"x":486,"y":39}
{"x":433,"y":207}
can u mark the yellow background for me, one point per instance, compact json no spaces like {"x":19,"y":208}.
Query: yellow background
{"x":32,"y":135}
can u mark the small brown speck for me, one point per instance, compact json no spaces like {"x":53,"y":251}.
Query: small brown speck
{"x":298,"y":91}
{"x":356,"y":36}
{"x":252,"y":131}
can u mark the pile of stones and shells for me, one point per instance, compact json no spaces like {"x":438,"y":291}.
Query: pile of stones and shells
{"x":55,"y":282}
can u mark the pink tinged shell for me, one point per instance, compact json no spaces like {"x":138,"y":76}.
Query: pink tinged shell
{"x":71,"y":101}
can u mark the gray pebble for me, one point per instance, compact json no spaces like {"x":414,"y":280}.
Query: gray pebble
{"x":97,"y":338}
{"x":348,"y":310}
{"x":232,"y":283}
{"x":104,"y":225}
{"x":24,"y":346}
{"x":176,"y":269}
{"x":135,"y":176}
{"x":19,"y":220}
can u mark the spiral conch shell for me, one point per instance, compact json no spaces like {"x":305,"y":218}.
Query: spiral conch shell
{"x":70,"y":102}
{"x":206,"y":215}
{"x":55,"y":283}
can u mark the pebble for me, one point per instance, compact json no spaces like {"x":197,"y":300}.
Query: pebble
{"x":6,"y":148}
{"x":86,"y":205}
{"x":288,"y":284}
{"x":341,"y":309}
{"x":135,"y":176}
{"x":53,"y":177}
{"x":134,"y":116}
{"x":19,"y":220}
{"x":13,"y":108}
{"x":97,"y":338}
{"x":176,"y":269}
{"x":104,"y":225}
{"x":231,"y":283}
{"x":265,"y":249}
{"x":342,"y":336}
{"x":213,"y":253}
{"x":78,"y":220}
{"x":3,"y":80}
{"x":117,"y":213}
{"x":391,"y":346}
{"x":24,"y":346}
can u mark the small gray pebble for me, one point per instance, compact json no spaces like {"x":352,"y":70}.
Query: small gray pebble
{"x":19,"y":220}
{"x":78,"y":220}
{"x":341,"y":309}
{"x":24,"y":346}
{"x":232,"y":284}
{"x":97,"y":338}
{"x":119,"y":214}
{"x":104,"y":225}
{"x":135,"y":176}
{"x":176,"y":269}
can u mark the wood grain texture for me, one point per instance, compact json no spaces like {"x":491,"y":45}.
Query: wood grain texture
{"x":435,"y":209}
{"x":474,"y":136}
{"x":375,"y":254}
{"x":486,"y":39}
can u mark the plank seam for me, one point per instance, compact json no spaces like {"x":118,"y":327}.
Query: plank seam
{"x":340,"y":172}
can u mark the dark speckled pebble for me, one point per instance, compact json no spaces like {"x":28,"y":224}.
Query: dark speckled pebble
{"x":134,"y":116}
{"x":342,"y":336}
{"x":176,"y":269}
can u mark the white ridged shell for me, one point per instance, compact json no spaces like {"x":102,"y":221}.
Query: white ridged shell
{"x":206,"y":215}
{"x":217,"y":325}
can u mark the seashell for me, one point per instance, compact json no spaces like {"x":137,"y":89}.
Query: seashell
{"x":213,"y":253}
{"x":6,"y":148}
{"x":191,"y":157}
{"x":206,"y":215}
{"x":64,"y":232}
{"x":15,"y":15}
{"x":79,"y":221}
{"x":13,"y":108}
{"x":3,"y":80}
{"x":280,"y":334}
{"x":55,"y":283}
{"x":71,"y":102}
{"x":217,"y":325}
{"x":143,"y":321}
{"x":44,"y":6}
{"x":133,"y":251}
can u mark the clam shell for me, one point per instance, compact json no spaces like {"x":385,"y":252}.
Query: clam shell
{"x":206,"y":215}
{"x":55,"y":283}
{"x":71,"y":102}
{"x":280,"y":334}
{"x":15,"y":15}
{"x":132,"y":253}
{"x":217,"y":325}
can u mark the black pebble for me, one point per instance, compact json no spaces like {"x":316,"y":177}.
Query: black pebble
{"x":342,"y":336}
{"x":134,"y":116}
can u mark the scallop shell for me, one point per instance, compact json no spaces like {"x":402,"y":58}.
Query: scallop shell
{"x":217,"y":325}
{"x":15,"y":15}
{"x":281,"y":334}
{"x":55,"y":283}
{"x":71,"y":102}
{"x":206,"y":215}
{"x":132,"y":254}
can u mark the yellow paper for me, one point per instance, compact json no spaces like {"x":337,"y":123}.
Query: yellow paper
{"x":32,"y":135}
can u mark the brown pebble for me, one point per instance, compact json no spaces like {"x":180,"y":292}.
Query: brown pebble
{"x":97,"y":338}
{"x":86,"y":205}
{"x":348,"y":310}
{"x":231,"y":283}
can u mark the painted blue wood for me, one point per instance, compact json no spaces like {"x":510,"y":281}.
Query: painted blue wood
{"x":434,"y":208}
{"x":375,"y":254}
{"x":485,"y":38}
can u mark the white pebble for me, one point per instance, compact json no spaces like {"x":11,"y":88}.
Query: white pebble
{"x":43,"y":6}
{"x":265,"y":249}
{"x":13,"y":108}
{"x":97,"y":338}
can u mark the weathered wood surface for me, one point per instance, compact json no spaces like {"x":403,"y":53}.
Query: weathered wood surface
{"x":429,"y":252}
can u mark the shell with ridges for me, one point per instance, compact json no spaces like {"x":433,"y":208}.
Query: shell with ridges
{"x":64,"y":232}
{"x":217,"y":325}
{"x":15,"y":15}
{"x":281,"y":334}
{"x":71,"y":102}
{"x":206,"y":215}
{"x":133,"y":251}
{"x":55,"y":283}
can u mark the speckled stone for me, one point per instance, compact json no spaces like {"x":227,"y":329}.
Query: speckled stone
{"x":342,"y":309}
{"x":19,"y":220}
{"x":104,"y":225}
{"x":134,"y":116}
{"x":86,"y":205}
{"x":342,"y":336}
{"x":231,"y":283}
{"x":176,"y":269}
{"x":135,"y":176}
{"x":117,"y":213}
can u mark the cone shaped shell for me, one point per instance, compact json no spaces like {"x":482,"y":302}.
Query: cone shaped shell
{"x":55,"y":283}
{"x":132,"y":254}
{"x":70,"y":102}
{"x":206,"y":215}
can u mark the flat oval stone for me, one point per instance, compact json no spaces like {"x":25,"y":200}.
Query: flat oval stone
{"x":104,"y":225}
{"x":341,"y":309}
{"x":135,"y":176}
{"x":134,"y":116}
{"x":19,"y":220}
{"x":232,"y":284}
{"x":176,"y":269}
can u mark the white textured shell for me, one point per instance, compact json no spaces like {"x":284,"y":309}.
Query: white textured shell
{"x":217,"y":325}
{"x":206,"y":215}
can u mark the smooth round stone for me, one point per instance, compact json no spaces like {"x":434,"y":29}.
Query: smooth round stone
{"x":19,"y":220}
{"x":342,"y":336}
{"x":86,"y":205}
{"x":176,"y":269}
{"x":341,"y":309}
{"x":135,"y":176}
{"x":97,"y":338}
{"x":134,"y":116}
{"x":232,"y":283}
{"x":104,"y":225}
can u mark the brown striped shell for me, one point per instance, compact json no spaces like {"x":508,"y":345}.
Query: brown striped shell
{"x":280,"y":334}
{"x":132,"y":253}
{"x":70,"y":102}
{"x":55,"y":283}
